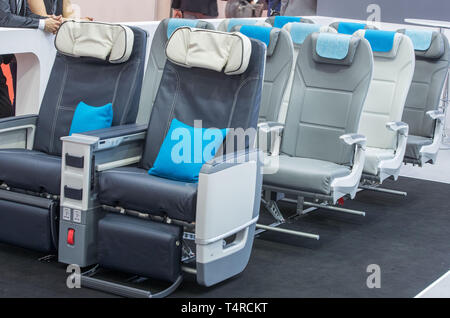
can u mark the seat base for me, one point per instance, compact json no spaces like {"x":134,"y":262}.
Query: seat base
{"x":29,"y":222}
{"x":140,"y":247}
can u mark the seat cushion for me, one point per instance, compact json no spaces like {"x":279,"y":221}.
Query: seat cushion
{"x":30,"y":170}
{"x":305,"y":174}
{"x":415,"y":143}
{"x":133,"y":188}
{"x":374,"y":156}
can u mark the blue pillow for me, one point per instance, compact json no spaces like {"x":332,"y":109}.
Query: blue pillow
{"x":421,"y":39}
{"x":258,"y":32}
{"x":88,"y":118}
{"x":350,"y":27}
{"x":281,"y":21}
{"x":185,"y":150}
{"x":380,"y":41}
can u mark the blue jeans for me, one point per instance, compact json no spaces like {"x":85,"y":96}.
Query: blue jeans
{"x":277,"y":8}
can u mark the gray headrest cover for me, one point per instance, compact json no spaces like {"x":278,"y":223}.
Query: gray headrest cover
{"x":107,"y":42}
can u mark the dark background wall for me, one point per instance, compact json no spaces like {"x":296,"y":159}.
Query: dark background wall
{"x":394,"y":11}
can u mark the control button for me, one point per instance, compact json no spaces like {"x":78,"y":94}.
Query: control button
{"x":66,"y":214}
{"x":71,"y":237}
{"x":77,"y":216}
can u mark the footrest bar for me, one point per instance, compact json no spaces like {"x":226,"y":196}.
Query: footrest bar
{"x":401,"y":193}
{"x":126,"y":291}
{"x":289,"y":232}
{"x":335,"y":208}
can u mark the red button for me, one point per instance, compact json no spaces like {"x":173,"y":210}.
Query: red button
{"x":71,"y":237}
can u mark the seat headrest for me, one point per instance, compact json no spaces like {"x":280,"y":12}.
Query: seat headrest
{"x":383,"y":43}
{"x":173,"y":24}
{"x":228,"y":25}
{"x":281,"y":21}
{"x":332,"y":48}
{"x":268,"y":35}
{"x":351,"y":27}
{"x":107,"y":42}
{"x":427,"y":44}
{"x":300,"y":31}
{"x":213,"y":50}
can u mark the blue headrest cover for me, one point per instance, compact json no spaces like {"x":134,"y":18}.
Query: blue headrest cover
{"x":178,"y":23}
{"x":258,"y":32}
{"x":281,"y":21}
{"x":420,"y":38}
{"x":300,"y":31}
{"x":333,"y":46}
{"x":350,"y":27}
{"x":237,"y":21}
{"x":380,"y":41}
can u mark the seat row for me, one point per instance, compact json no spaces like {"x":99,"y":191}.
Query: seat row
{"x":322,"y":107}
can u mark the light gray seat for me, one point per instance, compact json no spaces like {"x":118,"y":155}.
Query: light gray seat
{"x":422,"y":112}
{"x":322,"y":120}
{"x":321,"y":157}
{"x":382,"y":114}
{"x":157,"y":60}
{"x":279,"y":62}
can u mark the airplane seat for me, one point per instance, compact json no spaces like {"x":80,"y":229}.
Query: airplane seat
{"x":321,"y":155}
{"x":383,"y":110}
{"x":96,"y":63}
{"x":171,"y":224}
{"x":422,"y":112}
{"x":157,"y":61}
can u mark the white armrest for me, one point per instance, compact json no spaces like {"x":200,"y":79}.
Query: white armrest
{"x":348,"y":185}
{"x":436,"y":115}
{"x":399,"y":127}
{"x":391,"y":167}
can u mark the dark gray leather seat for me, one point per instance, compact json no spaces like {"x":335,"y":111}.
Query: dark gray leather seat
{"x":30,"y":170}
{"x":72,"y":80}
{"x":194,"y":93}
{"x":133,"y":188}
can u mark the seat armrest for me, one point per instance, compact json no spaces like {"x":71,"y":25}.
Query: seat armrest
{"x":117,"y":131}
{"x":269,"y":137}
{"x":221,"y":163}
{"x":436,"y":115}
{"x":399,"y":127}
{"x":18,"y":132}
{"x":354,"y":139}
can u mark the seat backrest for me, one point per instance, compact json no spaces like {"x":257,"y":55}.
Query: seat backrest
{"x":331,"y":81}
{"x":281,"y":21}
{"x":96,"y":63}
{"x":157,"y":61}
{"x":351,"y":27}
{"x":279,"y":62}
{"x":432,"y":62}
{"x":212,"y":76}
{"x":298,"y":31}
{"x":392,"y":75}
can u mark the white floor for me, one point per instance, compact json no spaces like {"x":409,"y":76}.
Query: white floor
{"x":439,"y":289}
